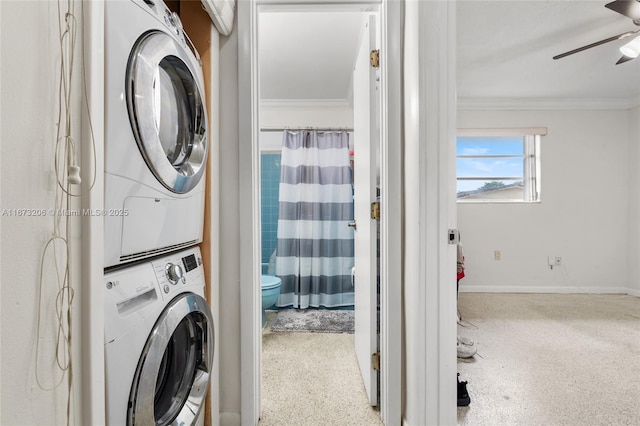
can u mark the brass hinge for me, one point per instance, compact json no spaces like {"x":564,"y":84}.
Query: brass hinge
{"x":375,"y":361}
{"x":375,"y":211}
{"x":374,"y":57}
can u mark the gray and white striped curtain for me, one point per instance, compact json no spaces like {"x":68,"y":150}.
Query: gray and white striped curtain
{"x":314,"y":253}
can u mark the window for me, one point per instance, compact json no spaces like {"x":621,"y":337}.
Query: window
{"x":498,"y":165}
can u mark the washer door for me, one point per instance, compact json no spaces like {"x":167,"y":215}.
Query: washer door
{"x":166,"y":110}
{"x":173,"y":373}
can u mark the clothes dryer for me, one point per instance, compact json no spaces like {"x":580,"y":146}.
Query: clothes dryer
{"x":156,"y":133}
{"x":159,"y":342}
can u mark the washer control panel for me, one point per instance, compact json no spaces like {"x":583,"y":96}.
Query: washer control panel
{"x":141,"y":291}
{"x":176,"y":271}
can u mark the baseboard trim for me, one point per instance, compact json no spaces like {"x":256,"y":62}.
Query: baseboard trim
{"x":549,"y":289}
{"x":632,"y":292}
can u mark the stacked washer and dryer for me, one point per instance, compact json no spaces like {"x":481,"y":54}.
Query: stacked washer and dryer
{"x":159,"y":331}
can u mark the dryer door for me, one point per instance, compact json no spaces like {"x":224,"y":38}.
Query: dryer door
{"x":172,"y":377}
{"x":165,"y":98}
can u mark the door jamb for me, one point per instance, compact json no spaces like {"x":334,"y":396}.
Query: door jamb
{"x":249,"y":200}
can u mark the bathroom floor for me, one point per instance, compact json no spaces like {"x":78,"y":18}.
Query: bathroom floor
{"x":312,"y":379}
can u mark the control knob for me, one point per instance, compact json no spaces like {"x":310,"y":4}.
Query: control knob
{"x":174,"y":273}
{"x":175,"y":20}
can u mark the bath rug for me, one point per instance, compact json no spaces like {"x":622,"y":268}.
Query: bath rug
{"x":314,"y":321}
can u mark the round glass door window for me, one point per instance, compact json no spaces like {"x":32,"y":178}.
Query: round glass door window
{"x":165,"y":99}
{"x":177,"y":372}
{"x":171,"y":381}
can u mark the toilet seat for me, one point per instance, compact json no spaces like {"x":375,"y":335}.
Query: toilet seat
{"x":269,"y":281}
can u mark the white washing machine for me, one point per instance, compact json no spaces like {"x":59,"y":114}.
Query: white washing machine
{"x":159,"y":342}
{"x":156,"y":133}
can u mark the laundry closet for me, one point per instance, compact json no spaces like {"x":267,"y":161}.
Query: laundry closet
{"x":159,"y":333}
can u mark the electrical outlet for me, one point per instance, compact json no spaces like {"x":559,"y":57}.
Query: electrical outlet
{"x":497,"y":255}
{"x":554,"y":261}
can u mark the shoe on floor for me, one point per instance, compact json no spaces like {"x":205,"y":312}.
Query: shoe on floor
{"x":466,"y":348}
{"x":463,"y":396}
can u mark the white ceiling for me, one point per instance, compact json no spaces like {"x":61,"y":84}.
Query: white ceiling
{"x":504,"y":54}
{"x":308,"y":55}
{"x":505,"y":51}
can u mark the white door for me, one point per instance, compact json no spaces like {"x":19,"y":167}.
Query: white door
{"x":366,"y":139}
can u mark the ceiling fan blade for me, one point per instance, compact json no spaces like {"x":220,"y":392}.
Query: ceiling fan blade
{"x":624,"y":59}
{"x":629,"y":8}
{"x":597,"y":43}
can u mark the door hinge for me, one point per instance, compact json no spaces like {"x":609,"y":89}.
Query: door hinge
{"x":375,"y":210}
{"x":375,"y":361}
{"x":374,"y":57}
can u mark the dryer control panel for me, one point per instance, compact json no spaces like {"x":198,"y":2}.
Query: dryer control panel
{"x":173,"y":22}
{"x":175,"y":272}
{"x":170,"y":19}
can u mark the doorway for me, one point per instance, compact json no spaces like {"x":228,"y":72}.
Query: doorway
{"x":249,"y":21}
{"x":319,"y":91}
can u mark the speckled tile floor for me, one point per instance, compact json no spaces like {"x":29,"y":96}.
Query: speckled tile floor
{"x":551,"y":359}
{"x":543,"y":359}
{"x":311,"y":379}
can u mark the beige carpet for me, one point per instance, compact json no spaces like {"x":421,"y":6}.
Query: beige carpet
{"x":312,"y":379}
{"x":551,"y":359}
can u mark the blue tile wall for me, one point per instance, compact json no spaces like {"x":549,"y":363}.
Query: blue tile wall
{"x":270,"y":189}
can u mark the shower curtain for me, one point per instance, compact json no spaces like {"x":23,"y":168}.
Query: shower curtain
{"x":314,"y":253}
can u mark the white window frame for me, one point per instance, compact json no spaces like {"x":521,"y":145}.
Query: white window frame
{"x":531,"y":158}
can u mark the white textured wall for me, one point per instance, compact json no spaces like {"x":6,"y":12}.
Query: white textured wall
{"x":270,"y":141}
{"x":30,"y":56}
{"x":582,"y":216}
{"x":306,"y":114}
{"x":634,"y":201}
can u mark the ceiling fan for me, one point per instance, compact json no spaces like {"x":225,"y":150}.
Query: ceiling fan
{"x":631,"y":50}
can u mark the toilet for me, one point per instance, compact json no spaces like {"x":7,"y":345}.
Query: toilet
{"x":270,"y":292}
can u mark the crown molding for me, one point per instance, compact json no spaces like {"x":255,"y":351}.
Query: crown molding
{"x":306,"y":104}
{"x":471,"y":103}
{"x":545,"y":103}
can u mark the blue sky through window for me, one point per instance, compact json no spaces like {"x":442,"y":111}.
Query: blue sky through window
{"x":482,"y":165}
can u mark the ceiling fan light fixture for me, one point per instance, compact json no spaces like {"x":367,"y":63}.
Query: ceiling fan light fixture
{"x":631,"y":49}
